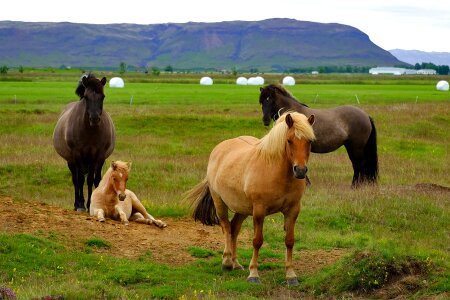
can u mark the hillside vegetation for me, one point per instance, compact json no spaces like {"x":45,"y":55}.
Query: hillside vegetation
{"x":268,"y":45}
{"x":386,"y":241}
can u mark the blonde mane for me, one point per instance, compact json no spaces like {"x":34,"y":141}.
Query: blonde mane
{"x":272,"y":145}
{"x":104,"y":183}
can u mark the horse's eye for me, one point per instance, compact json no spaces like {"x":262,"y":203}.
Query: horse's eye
{"x":289,"y":142}
{"x":268,"y":99}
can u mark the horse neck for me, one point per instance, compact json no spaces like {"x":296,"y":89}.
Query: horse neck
{"x":290,"y":103}
{"x":80,"y":112}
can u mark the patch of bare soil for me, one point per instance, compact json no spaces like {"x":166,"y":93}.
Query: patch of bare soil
{"x":432,"y":187}
{"x":169,"y":245}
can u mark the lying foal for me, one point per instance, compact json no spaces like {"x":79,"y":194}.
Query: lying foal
{"x":111,"y":199}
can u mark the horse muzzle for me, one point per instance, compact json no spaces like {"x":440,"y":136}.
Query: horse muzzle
{"x":122,"y":196}
{"x":94,"y":121}
{"x":299,"y":172}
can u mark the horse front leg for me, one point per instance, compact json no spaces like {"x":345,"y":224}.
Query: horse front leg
{"x":90,"y":182}
{"x":100,"y":214}
{"x":258,"y":222}
{"x":122,"y":215}
{"x":289,"y":225}
{"x":78,"y":182}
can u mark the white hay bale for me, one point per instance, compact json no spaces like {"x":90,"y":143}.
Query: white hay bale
{"x":260,"y":80}
{"x":288,"y":80}
{"x":206,"y":81}
{"x":241,"y":81}
{"x":252,"y":81}
{"x":116,"y":82}
{"x":442,"y":85}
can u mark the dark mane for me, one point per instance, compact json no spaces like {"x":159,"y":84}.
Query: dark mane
{"x":92,"y":83}
{"x":276,"y":88}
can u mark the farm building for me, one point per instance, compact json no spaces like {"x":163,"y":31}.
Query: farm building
{"x":426,"y":72}
{"x":391,"y":71}
{"x":400,"y":71}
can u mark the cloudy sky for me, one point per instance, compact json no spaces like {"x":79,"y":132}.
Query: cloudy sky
{"x":404,"y":24}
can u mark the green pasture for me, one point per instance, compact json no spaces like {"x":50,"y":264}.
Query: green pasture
{"x":167,"y":129}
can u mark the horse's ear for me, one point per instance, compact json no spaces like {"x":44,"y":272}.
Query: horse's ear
{"x":103,"y":81}
{"x":84,"y":81}
{"x":289,"y":121}
{"x":129,"y":165}
{"x":113,"y":165}
{"x":261,"y":89}
{"x":311,"y":119}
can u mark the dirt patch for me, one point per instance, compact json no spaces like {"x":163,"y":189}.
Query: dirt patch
{"x":432,"y":187}
{"x":169,"y":245}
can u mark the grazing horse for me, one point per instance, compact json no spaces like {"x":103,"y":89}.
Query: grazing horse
{"x":257,"y":177}
{"x":111,"y":198}
{"x":85,"y":136}
{"x":343,"y":125}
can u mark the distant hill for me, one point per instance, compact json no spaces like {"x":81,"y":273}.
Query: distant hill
{"x":415,"y":56}
{"x":268,"y":45}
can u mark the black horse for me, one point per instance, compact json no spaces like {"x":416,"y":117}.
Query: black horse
{"x":85,"y":136}
{"x":343,"y":125}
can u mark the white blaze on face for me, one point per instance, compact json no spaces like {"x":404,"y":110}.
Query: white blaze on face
{"x":121,"y":175}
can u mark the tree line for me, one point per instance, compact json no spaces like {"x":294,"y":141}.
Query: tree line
{"x":440,"y":69}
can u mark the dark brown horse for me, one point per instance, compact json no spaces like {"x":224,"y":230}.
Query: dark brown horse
{"x":343,"y":125}
{"x":85,"y":136}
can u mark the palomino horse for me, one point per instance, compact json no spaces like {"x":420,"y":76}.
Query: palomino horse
{"x":85,"y":136}
{"x":111,"y":199}
{"x":344,"y":125}
{"x":256,"y":177}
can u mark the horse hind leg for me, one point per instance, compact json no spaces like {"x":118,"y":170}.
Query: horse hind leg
{"x":356,"y":159}
{"x":139,"y":218}
{"x":236,"y":224}
{"x":222,"y":214}
{"x":139,"y":208}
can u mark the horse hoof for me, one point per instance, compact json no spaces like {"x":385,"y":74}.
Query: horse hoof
{"x":241,"y":268}
{"x":101,"y":220}
{"x":80,"y":209}
{"x":292,"y":281}
{"x":227,"y":268}
{"x":254,"y":280}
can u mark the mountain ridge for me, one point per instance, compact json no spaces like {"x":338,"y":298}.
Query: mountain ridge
{"x":267,"y":45}
{"x":417,"y":56}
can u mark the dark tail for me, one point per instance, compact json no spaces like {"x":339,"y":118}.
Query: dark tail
{"x":369,"y":170}
{"x":204,"y":209}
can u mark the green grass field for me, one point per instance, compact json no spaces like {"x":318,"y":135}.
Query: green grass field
{"x":167,"y":129}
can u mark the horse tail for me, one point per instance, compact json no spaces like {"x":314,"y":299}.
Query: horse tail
{"x":201,"y":199}
{"x":370,"y":166}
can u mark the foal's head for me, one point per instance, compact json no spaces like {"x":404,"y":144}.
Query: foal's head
{"x":90,"y":89}
{"x":119,"y":177}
